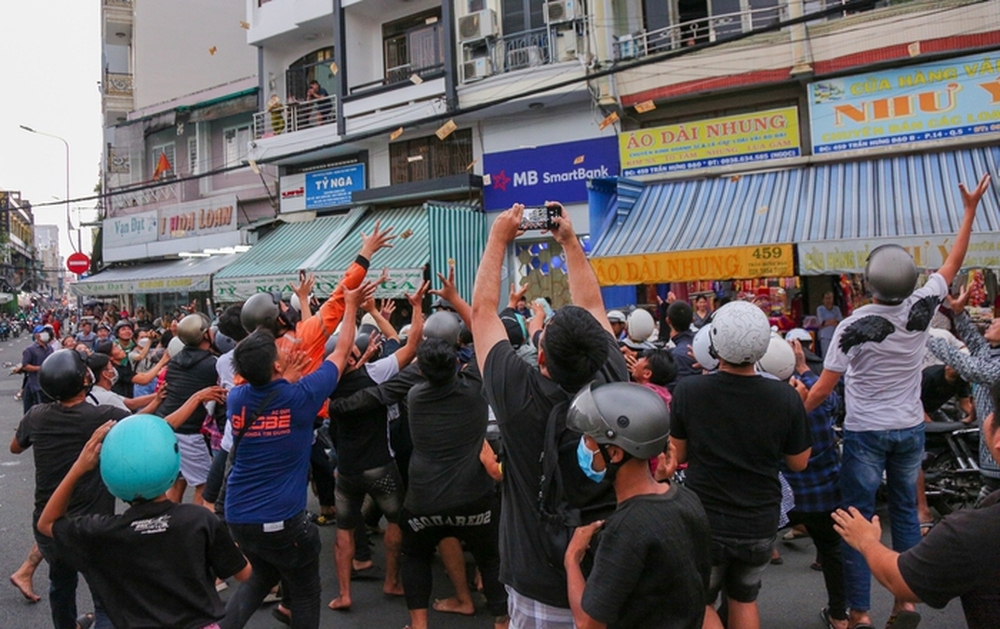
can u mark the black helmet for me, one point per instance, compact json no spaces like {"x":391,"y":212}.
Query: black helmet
{"x":443,"y":325}
{"x":623,"y":414}
{"x":891,"y":274}
{"x":191,"y":329}
{"x":261,"y":310}
{"x":63,"y":374}
{"x":124,"y":323}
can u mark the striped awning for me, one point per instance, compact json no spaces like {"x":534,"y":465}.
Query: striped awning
{"x":187,"y":275}
{"x":824,"y":209}
{"x":273,"y":264}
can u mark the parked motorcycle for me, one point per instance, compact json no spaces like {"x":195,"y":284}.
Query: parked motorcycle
{"x":951,"y":465}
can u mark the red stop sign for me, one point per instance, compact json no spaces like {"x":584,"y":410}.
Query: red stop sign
{"x":78,"y":263}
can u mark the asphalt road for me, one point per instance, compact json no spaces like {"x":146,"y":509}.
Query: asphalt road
{"x":791,"y":597}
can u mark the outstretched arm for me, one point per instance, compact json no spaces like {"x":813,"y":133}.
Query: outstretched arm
{"x":352,"y":299}
{"x":405,"y":354}
{"x":583,"y":286}
{"x":487,"y":329}
{"x":957,"y":254}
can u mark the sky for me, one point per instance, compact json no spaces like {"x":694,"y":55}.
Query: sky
{"x":50,"y":61}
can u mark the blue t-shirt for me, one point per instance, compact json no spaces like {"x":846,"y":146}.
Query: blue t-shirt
{"x":269,"y":478}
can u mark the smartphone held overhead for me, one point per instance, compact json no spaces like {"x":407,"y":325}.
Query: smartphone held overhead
{"x":540,"y":216}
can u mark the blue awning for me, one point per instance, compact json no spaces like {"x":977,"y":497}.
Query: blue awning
{"x":912,"y":199}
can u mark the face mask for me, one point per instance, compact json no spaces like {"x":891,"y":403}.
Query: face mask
{"x":44,"y":337}
{"x":114,"y":378}
{"x":143,"y":342}
{"x":585,"y":459}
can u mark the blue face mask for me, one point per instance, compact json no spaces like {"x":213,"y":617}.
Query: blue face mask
{"x":585,"y":459}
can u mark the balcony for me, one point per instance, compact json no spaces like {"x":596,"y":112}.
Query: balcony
{"x":124,"y":201}
{"x":551,"y":44}
{"x":117,"y":97}
{"x":283,"y":118}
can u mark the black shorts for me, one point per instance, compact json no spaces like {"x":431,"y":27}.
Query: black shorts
{"x":737,"y":565}
{"x":383,"y":484}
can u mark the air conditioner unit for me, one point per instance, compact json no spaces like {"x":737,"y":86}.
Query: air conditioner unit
{"x":627,"y":47}
{"x":478,"y":25}
{"x":475,"y":6}
{"x":478,"y":68}
{"x":527,"y":57}
{"x":567,"y":42}
{"x":560,"y":11}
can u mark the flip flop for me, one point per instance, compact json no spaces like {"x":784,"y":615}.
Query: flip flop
{"x":85,"y":621}
{"x":371,"y":573}
{"x":925,"y":528}
{"x":904,"y":619}
{"x":282,"y":617}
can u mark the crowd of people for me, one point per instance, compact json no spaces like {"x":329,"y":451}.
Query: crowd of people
{"x":600,"y":473}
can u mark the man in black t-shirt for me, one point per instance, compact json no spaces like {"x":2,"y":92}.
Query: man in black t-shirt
{"x":959,"y":557}
{"x":734,"y":427}
{"x":575,"y":347}
{"x":57,"y":433}
{"x":652,"y":565}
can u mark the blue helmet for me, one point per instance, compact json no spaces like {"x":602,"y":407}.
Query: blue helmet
{"x":139,"y":458}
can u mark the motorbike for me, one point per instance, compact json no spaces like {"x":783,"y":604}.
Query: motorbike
{"x":951,"y":466}
{"x":4,"y":331}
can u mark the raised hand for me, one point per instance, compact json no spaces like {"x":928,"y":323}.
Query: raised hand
{"x":516,"y":294}
{"x":448,"y":291}
{"x":353,"y":298}
{"x":377,"y":240}
{"x":90,"y":456}
{"x":971,"y":199}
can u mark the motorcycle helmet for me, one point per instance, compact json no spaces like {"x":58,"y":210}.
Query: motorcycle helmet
{"x":779,"y":360}
{"x":740,"y":333}
{"x":192,"y":328}
{"x":623,"y":414}
{"x":443,"y":325}
{"x":701,"y":348}
{"x":261,"y":310}
{"x":640,"y":325}
{"x":140,"y":458}
{"x":891,"y":274}
{"x":175,"y":346}
{"x":63,"y":374}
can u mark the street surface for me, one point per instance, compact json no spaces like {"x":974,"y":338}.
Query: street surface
{"x":790,"y":599}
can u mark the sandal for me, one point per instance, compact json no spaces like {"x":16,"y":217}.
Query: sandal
{"x":925,"y":528}
{"x":85,"y":621}
{"x":282,"y":617}
{"x":904,"y":619}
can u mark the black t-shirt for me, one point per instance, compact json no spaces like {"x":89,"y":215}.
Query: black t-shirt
{"x":738,"y":428}
{"x":960,"y":556}
{"x":522,"y":398}
{"x":155,"y":565}
{"x":362,"y":437}
{"x":123,"y":385}
{"x":935,"y":389}
{"x":190,"y":371}
{"x":447,"y":427}
{"x":652,"y":564}
{"x":57,"y":434}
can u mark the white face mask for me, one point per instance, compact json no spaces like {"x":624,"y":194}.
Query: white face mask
{"x":143,"y":342}
{"x":44,"y":337}
{"x":113,"y":376}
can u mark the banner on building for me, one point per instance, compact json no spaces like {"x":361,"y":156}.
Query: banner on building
{"x":751,"y":137}
{"x":333,"y":187}
{"x":833,"y":257}
{"x":952,"y":98}
{"x":198,"y":218}
{"x":689,"y":266}
{"x":555,"y":172}
{"x":133,"y":229}
{"x":236,"y":289}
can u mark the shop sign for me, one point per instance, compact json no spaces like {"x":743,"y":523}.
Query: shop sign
{"x":134,"y":229}
{"x":947,"y":99}
{"x":151,"y":285}
{"x":751,"y":137}
{"x":333,"y":187}
{"x":555,"y":172}
{"x":833,"y":257}
{"x":198,"y":218}
{"x":688,"y":266}
{"x":234,"y":289}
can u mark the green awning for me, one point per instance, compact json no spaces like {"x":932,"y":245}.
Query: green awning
{"x":273,"y":264}
{"x":187,"y":275}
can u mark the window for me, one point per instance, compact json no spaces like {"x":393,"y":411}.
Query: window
{"x":412,"y":44}
{"x":313,"y":67}
{"x":429,"y":158}
{"x":237,"y":143}
{"x":163,"y":161}
{"x":193,"y":164}
{"x":521,"y":15}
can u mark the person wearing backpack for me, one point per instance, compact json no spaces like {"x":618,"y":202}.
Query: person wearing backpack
{"x":545,"y":493}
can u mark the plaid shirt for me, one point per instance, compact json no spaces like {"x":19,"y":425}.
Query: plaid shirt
{"x":816,"y":488}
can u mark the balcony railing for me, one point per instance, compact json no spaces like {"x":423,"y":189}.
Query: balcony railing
{"x":117,"y":84}
{"x":400,"y":74}
{"x":118,"y":3}
{"x":547,"y":45}
{"x":287,"y":118}
{"x":121,"y":200}
{"x":703,"y":30}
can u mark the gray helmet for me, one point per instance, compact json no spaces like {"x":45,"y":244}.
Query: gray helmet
{"x":443,"y":325}
{"x":261,"y":310}
{"x":623,"y":414}
{"x":891,"y":274}
{"x":63,"y":374}
{"x":224,"y":343}
{"x":191,"y":329}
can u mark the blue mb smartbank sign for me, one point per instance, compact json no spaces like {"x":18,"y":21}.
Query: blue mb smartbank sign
{"x":332,"y":187}
{"x":556,"y":172}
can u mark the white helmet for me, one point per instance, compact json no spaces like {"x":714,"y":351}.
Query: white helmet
{"x":175,"y":346}
{"x":799,"y":334}
{"x":779,"y":361}
{"x":740,"y":333}
{"x":702,"y":348}
{"x":640,"y":325}
{"x":616,"y":316}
